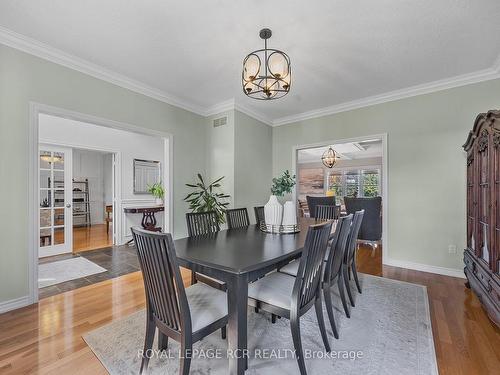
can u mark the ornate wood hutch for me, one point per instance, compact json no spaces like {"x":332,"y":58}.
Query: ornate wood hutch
{"x":482,"y":255}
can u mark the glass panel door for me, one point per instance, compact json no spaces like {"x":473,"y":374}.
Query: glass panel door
{"x":55,"y":218}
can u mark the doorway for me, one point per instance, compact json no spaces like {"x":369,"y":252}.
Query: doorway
{"x":83,"y":184}
{"x":358,"y":176}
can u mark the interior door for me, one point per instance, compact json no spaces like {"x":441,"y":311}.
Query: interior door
{"x":55,"y":213}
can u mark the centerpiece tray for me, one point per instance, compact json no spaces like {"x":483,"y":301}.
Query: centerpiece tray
{"x":279,"y":229}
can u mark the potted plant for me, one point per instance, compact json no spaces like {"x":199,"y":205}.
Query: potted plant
{"x":274,"y":212}
{"x":157,"y":191}
{"x":208,"y":198}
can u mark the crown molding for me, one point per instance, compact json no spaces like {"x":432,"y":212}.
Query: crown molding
{"x":231,"y":104}
{"x":227,"y":105}
{"x":46,"y":52}
{"x":427,"y":88}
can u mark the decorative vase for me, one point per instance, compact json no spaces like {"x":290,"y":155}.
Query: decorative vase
{"x":273,"y":211}
{"x":289,"y":214}
{"x":159,"y":201}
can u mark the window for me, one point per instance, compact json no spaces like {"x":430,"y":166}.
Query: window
{"x":354,"y":183}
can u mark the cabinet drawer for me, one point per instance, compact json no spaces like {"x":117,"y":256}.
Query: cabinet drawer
{"x":495,"y":292}
{"x":483,"y":277}
{"x":469,"y":263}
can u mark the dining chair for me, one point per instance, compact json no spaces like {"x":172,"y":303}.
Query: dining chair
{"x":371,"y":227}
{"x":333,"y":267}
{"x":350,"y":255}
{"x":186,"y":315}
{"x":313,"y":202}
{"x":237,"y":218}
{"x":291,"y":297}
{"x":202,"y":224}
{"x":259,"y":214}
{"x":327,"y":212}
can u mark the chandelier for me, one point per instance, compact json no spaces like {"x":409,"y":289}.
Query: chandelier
{"x":267,"y":72}
{"x":329,"y":158}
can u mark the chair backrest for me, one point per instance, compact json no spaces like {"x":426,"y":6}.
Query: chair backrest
{"x":353,"y":237}
{"x":338,"y":247}
{"x":310,"y":270}
{"x":371,"y":228}
{"x":327,"y":212}
{"x":312,"y":202}
{"x":237,"y":218}
{"x":165,"y":294}
{"x":259,"y":214}
{"x":200,"y":223}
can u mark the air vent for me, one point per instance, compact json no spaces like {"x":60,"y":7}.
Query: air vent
{"x":220,"y":121}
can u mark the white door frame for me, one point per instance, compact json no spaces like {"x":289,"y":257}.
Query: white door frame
{"x":385,"y":211}
{"x":33,"y":182}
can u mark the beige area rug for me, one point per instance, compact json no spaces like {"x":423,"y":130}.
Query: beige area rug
{"x":389,"y":333}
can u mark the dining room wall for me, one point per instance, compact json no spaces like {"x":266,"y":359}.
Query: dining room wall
{"x":253,"y":162}
{"x":426,"y":166}
{"x":25,"y":78}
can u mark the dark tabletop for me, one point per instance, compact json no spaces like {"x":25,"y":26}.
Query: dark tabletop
{"x":241,"y":250}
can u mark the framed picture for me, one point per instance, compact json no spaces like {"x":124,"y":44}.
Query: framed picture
{"x":311,"y":181}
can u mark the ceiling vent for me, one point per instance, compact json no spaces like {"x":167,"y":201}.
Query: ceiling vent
{"x":220,"y":121}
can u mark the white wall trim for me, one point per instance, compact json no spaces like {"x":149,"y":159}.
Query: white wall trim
{"x":14,"y":304}
{"x":385,"y":178}
{"x":44,"y":51}
{"x":33,"y":181}
{"x":444,"y":84}
{"x":425,"y":268}
{"x":231,"y":104}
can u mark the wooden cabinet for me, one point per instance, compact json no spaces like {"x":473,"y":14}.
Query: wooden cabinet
{"x":482,"y":255}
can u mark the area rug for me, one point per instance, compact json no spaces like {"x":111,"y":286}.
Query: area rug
{"x":389,"y":332}
{"x":65,"y":270}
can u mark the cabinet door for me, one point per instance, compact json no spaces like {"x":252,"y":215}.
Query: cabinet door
{"x":471,"y":201}
{"x":484,"y":200}
{"x":495,"y":196}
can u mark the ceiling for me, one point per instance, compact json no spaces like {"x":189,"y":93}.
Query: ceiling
{"x":370,"y":148}
{"x":343,"y":53}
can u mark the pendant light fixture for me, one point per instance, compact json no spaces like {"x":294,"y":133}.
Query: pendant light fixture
{"x":329,"y":158}
{"x":266,"y":72}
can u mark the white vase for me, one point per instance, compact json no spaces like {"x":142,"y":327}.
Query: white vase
{"x":159,"y":201}
{"x":273,"y":211}
{"x":289,"y":214}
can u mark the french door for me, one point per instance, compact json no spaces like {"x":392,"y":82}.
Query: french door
{"x":55,"y":213}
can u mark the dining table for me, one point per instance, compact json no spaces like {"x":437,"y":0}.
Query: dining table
{"x":238,"y":257}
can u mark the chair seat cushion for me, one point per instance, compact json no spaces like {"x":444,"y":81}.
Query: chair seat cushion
{"x":273,"y":289}
{"x":207,"y":305}
{"x":291,"y":268}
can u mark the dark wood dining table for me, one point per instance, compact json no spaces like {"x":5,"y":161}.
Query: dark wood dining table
{"x":238,"y":257}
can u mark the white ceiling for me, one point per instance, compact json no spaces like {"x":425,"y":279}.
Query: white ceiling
{"x":190,"y":52}
{"x":370,"y":148}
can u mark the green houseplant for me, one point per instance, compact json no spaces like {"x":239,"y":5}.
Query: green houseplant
{"x":283,"y":184}
{"x":208,"y":198}
{"x":157,"y":191}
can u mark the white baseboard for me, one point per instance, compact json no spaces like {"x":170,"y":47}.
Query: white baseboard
{"x":425,"y":268}
{"x":14,"y":304}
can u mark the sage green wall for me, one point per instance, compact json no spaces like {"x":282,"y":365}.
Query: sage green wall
{"x":25,"y":78}
{"x":220,"y":152}
{"x":426,"y":164}
{"x":253,"y":172}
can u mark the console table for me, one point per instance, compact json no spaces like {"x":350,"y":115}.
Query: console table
{"x":148,"y":216}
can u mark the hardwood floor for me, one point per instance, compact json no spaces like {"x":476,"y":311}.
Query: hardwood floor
{"x":91,"y":238}
{"x":46,"y":338}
